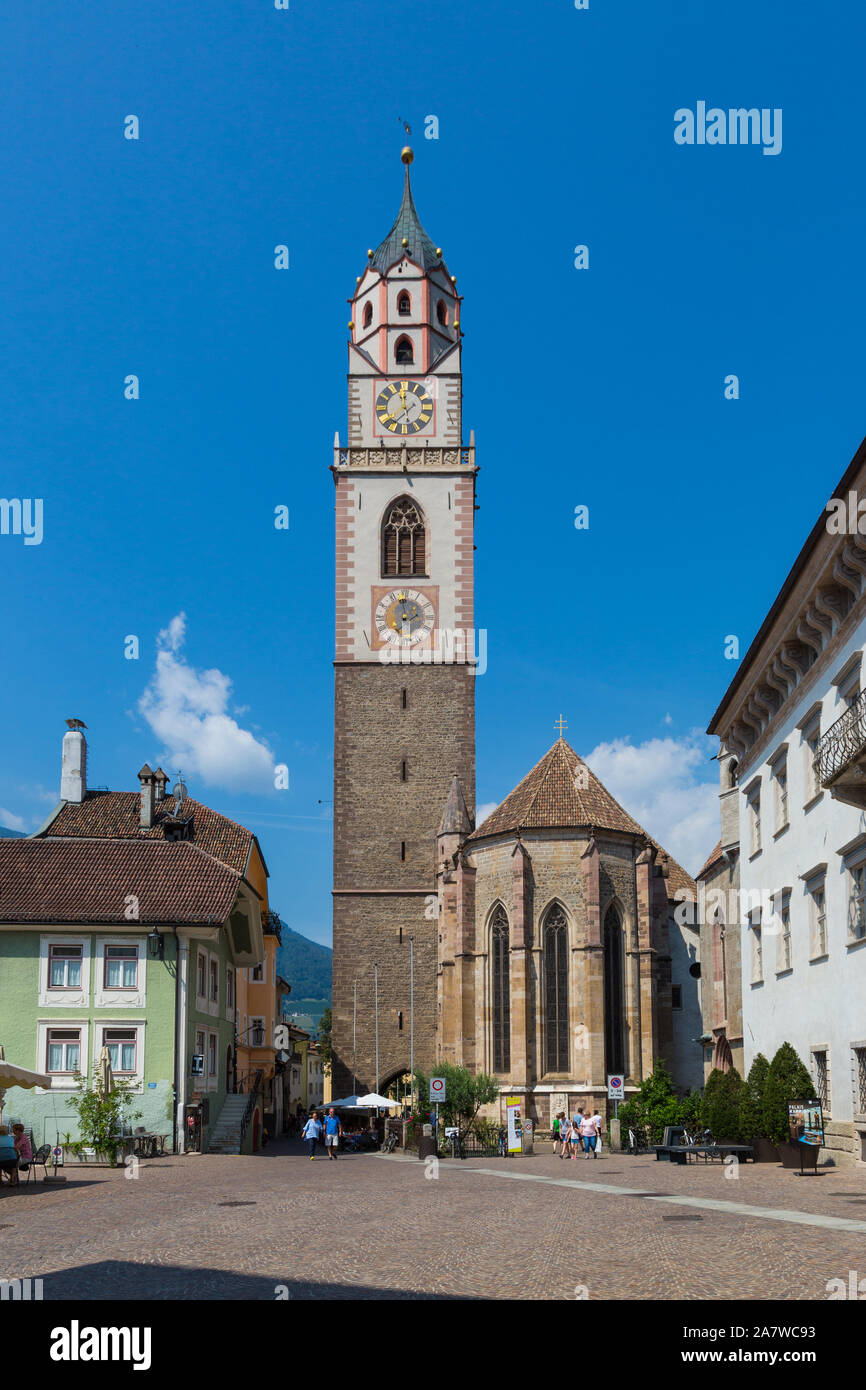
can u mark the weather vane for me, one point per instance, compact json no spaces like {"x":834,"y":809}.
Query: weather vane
{"x":405,"y":124}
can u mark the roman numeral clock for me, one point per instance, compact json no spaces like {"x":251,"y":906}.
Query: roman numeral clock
{"x":403,"y":728}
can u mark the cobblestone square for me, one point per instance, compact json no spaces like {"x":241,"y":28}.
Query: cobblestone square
{"x":375,"y":1227}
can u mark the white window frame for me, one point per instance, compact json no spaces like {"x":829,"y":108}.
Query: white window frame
{"x":122,"y":998}
{"x":62,"y":1081}
{"x":753,"y":801}
{"x":784,"y":940}
{"x":819,"y":943}
{"x":63,"y":998}
{"x":858,"y":1077}
{"x":200,"y":977}
{"x":810,"y":735}
{"x":103,"y":1025}
{"x":231,"y":993}
{"x":780,"y":778}
{"x":757,"y":948}
{"x":855,"y":883}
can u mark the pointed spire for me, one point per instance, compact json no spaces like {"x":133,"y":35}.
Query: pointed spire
{"x":407,"y":237}
{"x":455,"y":817}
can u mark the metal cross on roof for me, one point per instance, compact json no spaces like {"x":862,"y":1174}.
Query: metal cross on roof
{"x":560,"y":724}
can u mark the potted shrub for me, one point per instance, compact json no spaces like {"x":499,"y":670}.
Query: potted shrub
{"x":787,"y":1080}
{"x":752,"y":1112}
{"x":101,"y":1119}
{"x":723,"y":1110}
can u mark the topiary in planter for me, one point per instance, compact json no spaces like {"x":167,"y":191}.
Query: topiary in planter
{"x":787,"y":1080}
{"x":752,"y":1100}
{"x":711,"y":1089}
{"x":723,"y":1111}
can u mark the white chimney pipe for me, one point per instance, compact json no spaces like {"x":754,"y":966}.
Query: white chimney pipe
{"x":148,"y":797}
{"x":73,"y":773}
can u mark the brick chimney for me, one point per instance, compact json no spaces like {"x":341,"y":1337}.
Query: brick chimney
{"x":73,"y":768}
{"x":160,"y":779}
{"x":148,"y":797}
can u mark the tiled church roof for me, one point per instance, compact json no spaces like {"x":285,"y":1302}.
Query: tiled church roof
{"x":90,"y":881}
{"x":420,"y":248}
{"x":554,"y":797}
{"x":713,"y":859}
{"x":115,"y":816}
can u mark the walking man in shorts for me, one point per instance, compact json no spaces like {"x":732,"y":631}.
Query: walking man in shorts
{"x":333,"y":1131}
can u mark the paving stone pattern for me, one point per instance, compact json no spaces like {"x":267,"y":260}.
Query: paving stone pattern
{"x":370,"y":1226}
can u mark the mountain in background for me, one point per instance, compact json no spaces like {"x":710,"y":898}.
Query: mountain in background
{"x":305,"y":965}
{"x":7,"y":834}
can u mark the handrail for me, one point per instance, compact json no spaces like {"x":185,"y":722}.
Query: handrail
{"x":251,"y":1103}
{"x":843,"y":741}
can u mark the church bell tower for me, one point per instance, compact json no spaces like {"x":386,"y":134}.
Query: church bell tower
{"x":404,"y":719}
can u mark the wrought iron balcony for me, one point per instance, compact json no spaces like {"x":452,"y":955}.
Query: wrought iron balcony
{"x":840,"y":760}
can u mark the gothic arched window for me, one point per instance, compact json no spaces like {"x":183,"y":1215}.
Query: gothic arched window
{"x":555,"y":938}
{"x":500,"y":962}
{"x":614,"y":1048}
{"x":404,"y":352}
{"x":404,"y":302}
{"x":404,"y":540}
{"x":368,"y":314}
{"x":442,"y":313}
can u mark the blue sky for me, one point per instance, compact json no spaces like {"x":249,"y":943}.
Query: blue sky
{"x":602,"y":387}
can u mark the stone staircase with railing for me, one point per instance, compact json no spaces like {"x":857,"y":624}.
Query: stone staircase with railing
{"x":225,"y":1136}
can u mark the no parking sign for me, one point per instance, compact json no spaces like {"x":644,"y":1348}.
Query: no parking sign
{"x":615,"y":1086}
{"x":437,"y":1088}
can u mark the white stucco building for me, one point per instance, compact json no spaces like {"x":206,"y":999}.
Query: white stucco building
{"x":792,"y":729}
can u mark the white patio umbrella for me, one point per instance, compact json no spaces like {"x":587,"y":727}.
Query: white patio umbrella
{"x":104,"y":1075}
{"x":373,"y":1101}
{"x":12,"y":1075}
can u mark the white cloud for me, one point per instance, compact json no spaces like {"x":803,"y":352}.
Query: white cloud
{"x":484,"y":810}
{"x":187,"y":709}
{"x":11,"y":821}
{"x":670,"y":786}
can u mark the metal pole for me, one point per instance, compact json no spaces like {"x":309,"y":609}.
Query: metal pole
{"x":376,"y":974}
{"x":412,"y":1024}
{"x":354,"y":1035}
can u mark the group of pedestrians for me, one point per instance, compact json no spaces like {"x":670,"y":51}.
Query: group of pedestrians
{"x":582,"y":1129}
{"x":330,"y":1127}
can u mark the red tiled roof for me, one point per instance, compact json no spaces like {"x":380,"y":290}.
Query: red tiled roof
{"x":553,"y":797}
{"x":713,"y":859}
{"x":90,"y":881}
{"x":115,"y":816}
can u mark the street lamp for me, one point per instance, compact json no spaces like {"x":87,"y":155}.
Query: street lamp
{"x":155,"y":945}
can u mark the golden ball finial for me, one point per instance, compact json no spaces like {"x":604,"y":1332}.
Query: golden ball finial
{"x":406,"y":155}
{"x":351,"y":323}
{"x":369,"y":255}
{"x":438,"y":250}
{"x":405,"y":241}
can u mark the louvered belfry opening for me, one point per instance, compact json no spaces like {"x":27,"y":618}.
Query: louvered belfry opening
{"x":501,"y":991}
{"x":404,"y":549}
{"x":556,"y":990}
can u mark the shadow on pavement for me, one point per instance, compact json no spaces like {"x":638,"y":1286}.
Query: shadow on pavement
{"x":118,"y":1280}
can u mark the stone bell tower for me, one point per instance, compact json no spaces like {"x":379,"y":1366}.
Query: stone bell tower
{"x":404,"y":721}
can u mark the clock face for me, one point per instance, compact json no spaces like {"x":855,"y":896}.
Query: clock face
{"x":404,"y":617}
{"x":404,"y":407}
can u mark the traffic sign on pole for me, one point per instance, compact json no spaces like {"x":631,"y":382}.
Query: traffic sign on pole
{"x":437,"y":1088}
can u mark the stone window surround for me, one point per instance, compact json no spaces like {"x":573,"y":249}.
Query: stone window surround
{"x":61,"y":1082}
{"x":853,"y":856}
{"x":754,"y":926}
{"x":859,"y":1045}
{"x":139,"y":1024}
{"x":119,"y":998}
{"x":824,"y":1048}
{"x":64,"y":998}
{"x":231,"y":997}
{"x":782,"y":903}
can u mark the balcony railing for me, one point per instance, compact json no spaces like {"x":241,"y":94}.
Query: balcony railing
{"x":843,"y":742}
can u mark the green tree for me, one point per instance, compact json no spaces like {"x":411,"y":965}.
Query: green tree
{"x":689,"y":1112}
{"x":326,"y":1024}
{"x":101,"y":1118}
{"x":655,"y":1106}
{"x":787,"y":1080}
{"x":752,"y":1100}
{"x":723,"y":1111}
{"x":711,"y":1090}
{"x":465,"y":1093}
